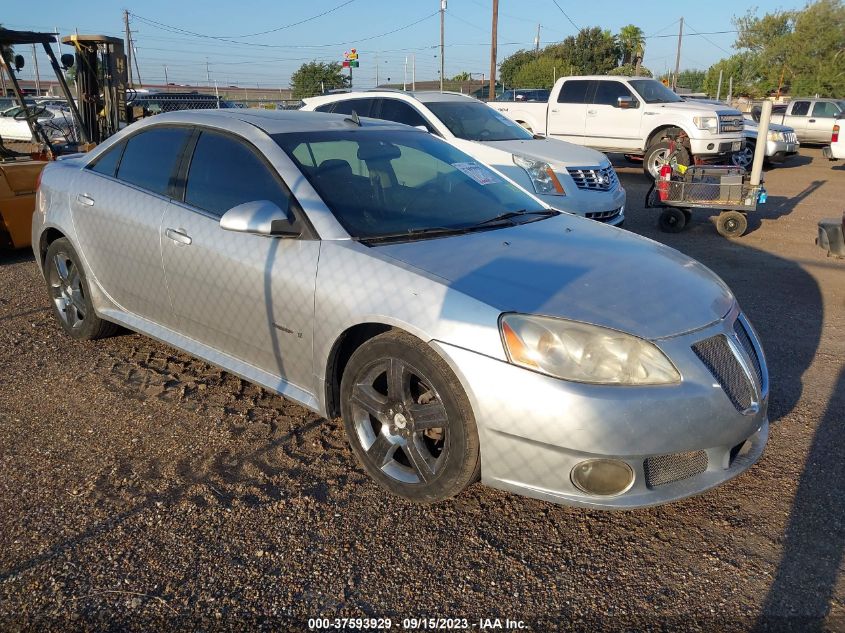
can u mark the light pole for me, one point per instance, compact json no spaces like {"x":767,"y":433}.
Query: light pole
{"x":442,"y":19}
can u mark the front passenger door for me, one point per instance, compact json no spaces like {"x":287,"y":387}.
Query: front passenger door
{"x":248,"y":296}
{"x":609,"y":126}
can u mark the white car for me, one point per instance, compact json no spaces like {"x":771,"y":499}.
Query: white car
{"x":836,"y":149}
{"x":563,"y":175}
{"x":56,"y":122}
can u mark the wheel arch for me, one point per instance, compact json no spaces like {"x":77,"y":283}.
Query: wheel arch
{"x":48,"y":236}
{"x":659,"y":132}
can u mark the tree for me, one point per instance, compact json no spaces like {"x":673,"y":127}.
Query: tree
{"x":632,"y":44}
{"x":692,"y":80}
{"x":744,"y":69}
{"x":627,"y":70}
{"x":511,"y":64}
{"x":464,"y":76}
{"x":538,"y":73}
{"x":313,"y":78}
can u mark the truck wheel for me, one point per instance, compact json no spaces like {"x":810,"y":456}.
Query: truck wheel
{"x":744,"y":157}
{"x":656,"y":155}
{"x":731,"y":223}
{"x":672,"y":220}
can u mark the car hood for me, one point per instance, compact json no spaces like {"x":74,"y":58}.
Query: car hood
{"x":693,"y":106}
{"x":552,"y":151}
{"x":576,"y":269}
{"x":753,"y":126}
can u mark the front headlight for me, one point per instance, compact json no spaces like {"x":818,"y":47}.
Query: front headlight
{"x":584,"y":353}
{"x":710,"y":123}
{"x":776,"y":136}
{"x":541,"y":174}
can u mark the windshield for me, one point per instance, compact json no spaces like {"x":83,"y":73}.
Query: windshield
{"x":652,"y":91}
{"x":380,"y":183}
{"x":475,"y":121}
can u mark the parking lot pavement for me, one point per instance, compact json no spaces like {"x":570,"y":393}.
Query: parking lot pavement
{"x":140,"y":488}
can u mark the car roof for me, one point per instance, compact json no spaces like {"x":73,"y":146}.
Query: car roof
{"x":277,"y":121}
{"x":423,"y":96}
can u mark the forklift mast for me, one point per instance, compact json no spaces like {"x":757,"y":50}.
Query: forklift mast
{"x":101,"y":80}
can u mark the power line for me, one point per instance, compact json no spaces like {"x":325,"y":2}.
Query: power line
{"x":577,"y":28}
{"x":711,"y":41}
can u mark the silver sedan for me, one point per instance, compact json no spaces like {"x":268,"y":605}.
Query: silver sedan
{"x":461,"y":328}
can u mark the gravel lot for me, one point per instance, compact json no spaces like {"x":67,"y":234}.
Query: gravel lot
{"x":142,"y":489}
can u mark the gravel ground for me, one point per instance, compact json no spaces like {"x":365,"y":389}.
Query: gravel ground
{"x":142,"y":489}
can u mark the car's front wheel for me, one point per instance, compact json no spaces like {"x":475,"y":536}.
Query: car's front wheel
{"x":70,"y":294}
{"x":408,"y":419}
{"x":745,"y":157}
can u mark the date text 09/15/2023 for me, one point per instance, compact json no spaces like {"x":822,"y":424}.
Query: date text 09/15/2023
{"x":416,"y":624}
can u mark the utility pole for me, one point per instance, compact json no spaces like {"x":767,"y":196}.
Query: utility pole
{"x":442,"y":33}
{"x":731,"y":91}
{"x":128,"y":47}
{"x":37,"y":76}
{"x":537,"y":42}
{"x":719,"y":86}
{"x":166,"y":80}
{"x":678,"y":55}
{"x":377,"y":81}
{"x":413,"y":71}
{"x":207,"y":73}
{"x":405,"y":75}
{"x":493,"y":35}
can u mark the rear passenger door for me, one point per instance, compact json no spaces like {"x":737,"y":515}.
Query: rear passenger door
{"x":248,"y":296}
{"x":567,"y":117}
{"x":117,"y":210}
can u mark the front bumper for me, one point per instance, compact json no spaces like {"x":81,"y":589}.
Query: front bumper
{"x":534,"y":429}
{"x":778,"y":151}
{"x":717,"y":145}
{"x":604,"y":206}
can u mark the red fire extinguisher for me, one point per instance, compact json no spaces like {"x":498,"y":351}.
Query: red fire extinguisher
{"x":663,"y":181}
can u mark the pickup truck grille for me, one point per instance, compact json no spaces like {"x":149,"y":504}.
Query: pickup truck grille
{"x":731,"y":123}
{"x":594,"y":178}
{"x":790,"y":137}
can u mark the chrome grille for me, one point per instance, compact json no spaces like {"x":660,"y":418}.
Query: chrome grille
{"x":718,"y":357}
{"x":594,"y":178}
{"x":731,"y":123}
{"x":664,"y":469}
{"x":790,"y":137}
{"x":745,"y":340}
{"x":603,"y":216}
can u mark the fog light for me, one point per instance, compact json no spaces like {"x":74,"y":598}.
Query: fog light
{"x":710,"y":146}
{"x":602,"y":477}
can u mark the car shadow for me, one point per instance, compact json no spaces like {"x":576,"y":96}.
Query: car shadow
{"x":9,"y":256}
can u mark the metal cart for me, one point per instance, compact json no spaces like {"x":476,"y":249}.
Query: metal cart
{"x":681,"y":189}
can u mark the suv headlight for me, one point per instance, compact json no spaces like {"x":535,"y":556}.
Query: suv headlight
{"x":776,"y":136}
{"x":583,"y":353}
{"x":710,"y":123}
{"x":541,"y":174}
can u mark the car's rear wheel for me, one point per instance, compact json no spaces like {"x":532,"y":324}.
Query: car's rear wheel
{"x":70,"y":295}
{"x":408,"y":419}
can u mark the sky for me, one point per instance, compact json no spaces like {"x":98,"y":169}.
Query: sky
{"x":261,"y":43}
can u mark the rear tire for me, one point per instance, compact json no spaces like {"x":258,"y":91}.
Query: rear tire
{"x":731,"y":224}
{"x":70,"y":295}
{"x":408,"y":419}
{"x":672,"y":220}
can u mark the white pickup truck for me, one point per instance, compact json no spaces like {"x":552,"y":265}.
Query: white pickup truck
{"x":630,"y":115}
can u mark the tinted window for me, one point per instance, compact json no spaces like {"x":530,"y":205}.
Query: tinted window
{"x":800,"y":108}
{"x":400,"y":112}
{"x":326,"y":107}
{"x":363,"y":107}
{"x":574,"y":91}
{"x":150,"y":158}
{"x":107,"y":163}
{"x":608,"y":92}
{"x":475,"y":121}
{"x":225,"y":173}
{"x":825,"y":109}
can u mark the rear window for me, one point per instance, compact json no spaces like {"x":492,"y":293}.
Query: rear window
{"x":574,"y":91}
{"x":362,"y":107}
{"x":150,"y":158}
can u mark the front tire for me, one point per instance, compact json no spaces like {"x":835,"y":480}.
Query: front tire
{"x":408,"y":419}
{"x":745,"y":157}
{"x":656,"y":156}
{"x":70,"y":295}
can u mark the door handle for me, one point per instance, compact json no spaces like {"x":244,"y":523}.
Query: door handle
{"x":811,"y":121}
{"x":178,"y":235}
{"x":591,"y":112}
{"x":554,"y":110}
{"x":88,"y":201}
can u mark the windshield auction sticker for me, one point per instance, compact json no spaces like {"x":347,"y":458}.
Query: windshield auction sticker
{"x":477,"y":172}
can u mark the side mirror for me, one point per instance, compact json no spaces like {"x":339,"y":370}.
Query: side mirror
{"x":19,"y":62}
{"x":627,"y":103}
{"x":260,"y":217}
{"x":67,"y":61}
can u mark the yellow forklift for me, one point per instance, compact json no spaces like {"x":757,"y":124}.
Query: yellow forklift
{"x":99,"y":112}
